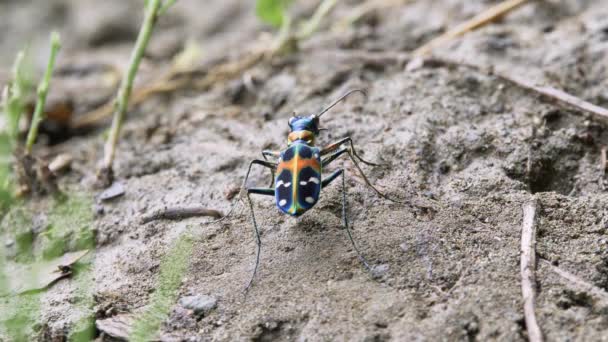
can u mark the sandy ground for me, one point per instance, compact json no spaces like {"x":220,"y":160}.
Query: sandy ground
{"x":476,"y":146}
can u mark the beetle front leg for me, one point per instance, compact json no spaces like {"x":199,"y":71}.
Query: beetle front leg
{"x":274,"y":154}
{"x":336,"y":145}
{"x":265,"y":163}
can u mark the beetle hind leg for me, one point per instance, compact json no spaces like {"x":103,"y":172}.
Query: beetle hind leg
{"x":326,"y":182}
{"x":258,"y":241}
{"x":347,"y":150}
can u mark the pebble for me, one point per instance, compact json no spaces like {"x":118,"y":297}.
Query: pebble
{"x":380,"y":271}
{"x":115,"y":190}
{"x":200,"y":304}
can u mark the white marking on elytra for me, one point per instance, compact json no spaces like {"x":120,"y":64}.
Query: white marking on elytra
{"x":309,"y":200}
{"x":287,"y":185}
{"x":279,"y":183}
{"x":316,"y":155}
{"x":282,"y":202}
{"x":312,"y":179}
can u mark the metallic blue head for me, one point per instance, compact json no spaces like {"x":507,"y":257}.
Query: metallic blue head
{"x":304,"y":123}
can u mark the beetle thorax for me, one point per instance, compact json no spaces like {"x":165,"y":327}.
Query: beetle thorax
{"x":303,"y":136}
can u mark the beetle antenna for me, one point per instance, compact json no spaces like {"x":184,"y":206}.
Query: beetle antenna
{"x":340,"y":99}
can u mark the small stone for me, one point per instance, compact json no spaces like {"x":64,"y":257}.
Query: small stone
{"x":200,"y":304}
{"x":115,"y":190}
{"x":98,"y":209}
{"x":61,"y":162}
{"x":380,"y":271}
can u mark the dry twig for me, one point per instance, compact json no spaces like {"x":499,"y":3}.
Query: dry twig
{"x":603,"y":160}
{"x":556,"y":96}
{"x":579,"y":283}
{"x":179,"y":213}
{"x":359,"y":11}
{"x":491,"y":14}
{"x":528,"y":265}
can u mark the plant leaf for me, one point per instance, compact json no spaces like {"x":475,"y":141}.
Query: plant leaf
{"x":24,"y":278}
{"x":272,"y":12}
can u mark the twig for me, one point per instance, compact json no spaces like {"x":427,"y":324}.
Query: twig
{"x":559,"y":95}
{"x":43,"y":89}
{"x":218,"y":73}
{"x":528,"y":265}
{"x":179,"y":213}
{"x":139,"y":95}
{"x":556,"y":96}
{"x":174,"y":79}
{"x":357,"y":12}
{"x":124,"y":93}
{"x":489,"y":15}
{"x":603,"y":160}
{"x":578,"y":282}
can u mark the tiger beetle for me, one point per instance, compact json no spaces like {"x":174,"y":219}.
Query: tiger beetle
{"x":298,"y":173}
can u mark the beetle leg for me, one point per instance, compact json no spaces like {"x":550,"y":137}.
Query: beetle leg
{"x":344,"y":150}
{"x":257,"y":191}
{"x":330,"y":178}
{"x":274,"y":154}
{"x":326,"y":182}
{"x":270,"y":165}
{"x":334,"y":146}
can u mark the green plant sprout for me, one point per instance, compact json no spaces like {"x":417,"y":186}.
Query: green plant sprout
{"x":154,"y":8}
{"x":42,"y":92}
{"x":68,"y":230}
{"x":13,"y":98}
{"x":173,"y":267}
{"x":13,"y":106}
{"x":272,"y":12}
{"x":311,"y":25}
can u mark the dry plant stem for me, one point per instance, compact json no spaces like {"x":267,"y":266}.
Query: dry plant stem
{"x":42,"y":91}
{"x":528,"y":265}
{"x":357,"y":12}
{"x":556,"y":96}
{"x":178,"y":213}
{"x":603,"y":159}
{"x":491,"y":14}
{"x":124,"y":93}
{"x":579,"y":283}
{"x":219,"y":73}
{"x":559,"y":96}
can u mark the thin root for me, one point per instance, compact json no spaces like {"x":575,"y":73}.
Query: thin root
{"x":178,"y":213}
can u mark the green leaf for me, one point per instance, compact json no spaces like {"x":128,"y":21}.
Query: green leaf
{"x":272,"y":12}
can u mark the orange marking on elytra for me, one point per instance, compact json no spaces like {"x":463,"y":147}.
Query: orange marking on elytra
{"x":296,"y":164}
